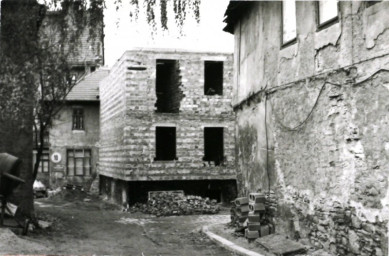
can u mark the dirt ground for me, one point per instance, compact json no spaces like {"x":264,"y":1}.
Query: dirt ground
{"x":85,"y":225}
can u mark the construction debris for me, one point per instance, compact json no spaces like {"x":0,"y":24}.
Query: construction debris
{"x":168,"y":203}
{"x":248,"y":216}
{"x":239,"y":213}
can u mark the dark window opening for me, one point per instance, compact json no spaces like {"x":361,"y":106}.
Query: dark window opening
{"x":78,"y":119}
{"x":370,"y":3}
{"x":168,"y":83}
{"x":213,"y":78}
{"x":165,"y":142}
{"x":77,"y":72}
{"x":213,"y":145}
{"x":221,"y":190}
{"x":79,"y":162}
{"x":92,"y":69}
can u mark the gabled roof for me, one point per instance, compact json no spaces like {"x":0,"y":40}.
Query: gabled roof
{"x":87,"y":88}
{"x":234,"y":12}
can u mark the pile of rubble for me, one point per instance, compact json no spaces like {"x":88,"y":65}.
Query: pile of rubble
{"x":249,"y":216}
{"x":168,"y":203}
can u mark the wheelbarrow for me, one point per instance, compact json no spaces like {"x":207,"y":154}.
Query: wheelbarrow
{"x":9,"y":180}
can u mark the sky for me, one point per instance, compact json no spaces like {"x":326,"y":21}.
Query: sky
{"x":122,"y":34}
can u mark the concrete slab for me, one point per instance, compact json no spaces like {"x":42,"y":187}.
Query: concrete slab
{"x":280,"y":245}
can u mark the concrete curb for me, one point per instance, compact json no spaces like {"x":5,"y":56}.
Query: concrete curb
{"x":228,"y":244}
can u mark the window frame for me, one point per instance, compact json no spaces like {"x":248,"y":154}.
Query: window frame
{"x":293,"y":40}
{"x":74,"y":119}
{"x":328,"y":23}
{"x":73,"y":150}
{"x":45,"y":158}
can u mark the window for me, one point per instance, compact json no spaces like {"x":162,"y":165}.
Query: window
{"x":288,"y":22}
{"x":44,"y":163}
{"x":213,"y":78}
{"x":168,"y":81}
{"x":77,"y":72}
{"x":213,"y":145}
{"x":370,"y":3}
{"x":327,"y":12}
{"x":165,"y":142}
{"x":79,"y":162}
{"x":78,"y":119}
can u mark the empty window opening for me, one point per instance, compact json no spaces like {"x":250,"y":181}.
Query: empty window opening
{"x":213,"y":78}
{"x":165,"y":142}
{"x":371,"y":3}
{"x":288,"y":22}
{"x":213,"y":145}
{"x":327,"y":13}
{"x":168,"y":83}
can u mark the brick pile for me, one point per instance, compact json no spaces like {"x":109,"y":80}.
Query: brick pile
{"x":249,"y":215}
{"x":239,"y":213}
{"x":168,"y":203}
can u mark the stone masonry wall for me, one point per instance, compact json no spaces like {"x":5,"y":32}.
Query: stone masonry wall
{"x":312,"y":122}
{"x":62,"y":137}
{"x":128,"y":143}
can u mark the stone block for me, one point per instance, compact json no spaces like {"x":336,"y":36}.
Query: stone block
{"x":253,"y":217}
{"x":257,"y":198}
{"x":243,"y":209}
{"x":241,"y":201}
{"x":251,"y":234}
{"x":256,"y":226}
{"x":257,"y":207}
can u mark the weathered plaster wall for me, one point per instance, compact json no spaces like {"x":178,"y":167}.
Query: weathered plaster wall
{"x":63,"y":137}
{"x":327,"y":122}
{"x":129,"y":122}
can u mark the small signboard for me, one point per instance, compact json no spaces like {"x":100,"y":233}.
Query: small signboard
{"x":56,"y":157}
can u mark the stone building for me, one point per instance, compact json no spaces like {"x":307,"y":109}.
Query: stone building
{"x":311,"y":101}
{"x":72,"y":143}
{"x":166,"y":124}
{"x":70,"y":146}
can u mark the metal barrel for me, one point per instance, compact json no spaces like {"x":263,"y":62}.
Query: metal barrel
{"x":9,"y":173}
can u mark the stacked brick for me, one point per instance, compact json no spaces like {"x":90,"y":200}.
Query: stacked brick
{"x":251,"y":215}
{"x":239,"y":213}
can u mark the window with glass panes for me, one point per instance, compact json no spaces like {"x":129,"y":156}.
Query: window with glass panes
{"x":79,"y":162}
{"x":44,"y":163}
{"x":78,"y":119}
{"x":327,"y":12}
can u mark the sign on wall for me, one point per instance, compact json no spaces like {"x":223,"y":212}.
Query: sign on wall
{"x":56,"y":157}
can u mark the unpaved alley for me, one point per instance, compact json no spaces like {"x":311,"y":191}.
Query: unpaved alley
{"x":83,"y":224}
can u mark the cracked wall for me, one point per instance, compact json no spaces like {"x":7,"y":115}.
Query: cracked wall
{"x":327,"y":122}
